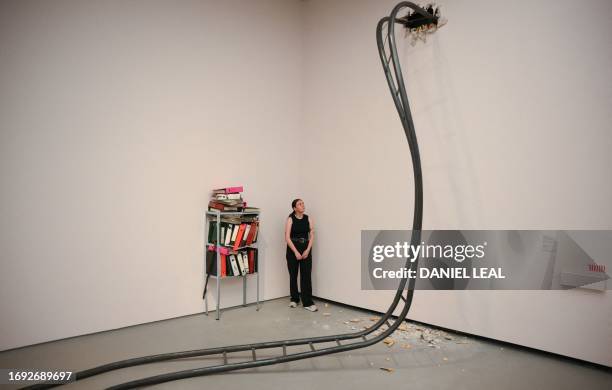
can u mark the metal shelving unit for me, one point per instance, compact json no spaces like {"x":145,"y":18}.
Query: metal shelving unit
{"x":218,"y":214}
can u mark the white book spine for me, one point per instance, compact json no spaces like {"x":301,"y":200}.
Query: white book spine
{"x":234,"y":265}
{"x":245,"y":260}
{"x":228,"y":235}
{"x":240,"y":263}
{"x":235,"y":233}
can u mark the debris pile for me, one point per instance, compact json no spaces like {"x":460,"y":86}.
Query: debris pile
{"x":416,"y":333}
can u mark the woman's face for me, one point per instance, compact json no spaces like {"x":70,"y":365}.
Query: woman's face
{"x":299,"y":206}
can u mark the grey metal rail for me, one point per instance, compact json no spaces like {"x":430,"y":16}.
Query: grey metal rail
{"x":387,"y":49}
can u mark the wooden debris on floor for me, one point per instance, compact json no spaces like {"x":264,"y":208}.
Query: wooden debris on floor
{"x":389,"y":342}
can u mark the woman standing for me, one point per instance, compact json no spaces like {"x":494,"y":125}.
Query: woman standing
{"x":299,"y":235}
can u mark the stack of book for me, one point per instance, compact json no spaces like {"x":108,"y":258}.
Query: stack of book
{"x":233,"y":263}
{"x":232,"y":237}
{"x":235,"y":238}
{"x":227,"y":199}
{"x":234,"y":232}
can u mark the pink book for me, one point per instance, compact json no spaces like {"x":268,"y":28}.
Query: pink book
{"x":223,"y":250}
{"x":228,"y":190}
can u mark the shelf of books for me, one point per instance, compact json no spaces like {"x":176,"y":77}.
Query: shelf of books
{"x":231,"y":230}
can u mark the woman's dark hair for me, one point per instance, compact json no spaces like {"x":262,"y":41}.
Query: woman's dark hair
{"x":293,"y":206}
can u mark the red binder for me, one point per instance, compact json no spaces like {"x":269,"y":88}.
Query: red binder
{"x":252,"y":233}
{"x":252,"y":253}
{"x":223,"y":266}
{"x":239,"y":236}
{"x":251,"y":262}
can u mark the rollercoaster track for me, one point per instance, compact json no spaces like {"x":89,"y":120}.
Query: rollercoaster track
{"x":385,"y":37}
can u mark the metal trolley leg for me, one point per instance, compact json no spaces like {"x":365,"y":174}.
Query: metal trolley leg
{"x":257,"y":290}
{"x":244,"y":287}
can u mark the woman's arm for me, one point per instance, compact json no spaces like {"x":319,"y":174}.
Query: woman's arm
{"x":311,"y":240}
{"x":288,"y":238}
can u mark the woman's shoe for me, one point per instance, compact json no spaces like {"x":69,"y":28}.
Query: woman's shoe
{"x":293,"y":304}
{"x":311,"y":308}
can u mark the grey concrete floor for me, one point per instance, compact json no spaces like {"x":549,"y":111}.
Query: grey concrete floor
{"x":418,"y":357}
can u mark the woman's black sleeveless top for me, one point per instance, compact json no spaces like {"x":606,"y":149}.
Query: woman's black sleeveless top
{"x":300,"y":228}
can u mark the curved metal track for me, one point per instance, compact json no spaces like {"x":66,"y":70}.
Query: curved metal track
{"x":385,"y":37}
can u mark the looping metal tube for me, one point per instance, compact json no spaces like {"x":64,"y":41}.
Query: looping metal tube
{"x":395,"y":81}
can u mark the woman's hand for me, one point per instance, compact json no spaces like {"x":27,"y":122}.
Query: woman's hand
{"x":306,"y":253}
{"x":288,"y":239}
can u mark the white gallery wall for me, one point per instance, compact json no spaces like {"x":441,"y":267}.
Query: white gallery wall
{"x":117,"y":118}
{"x":511,"y":103}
